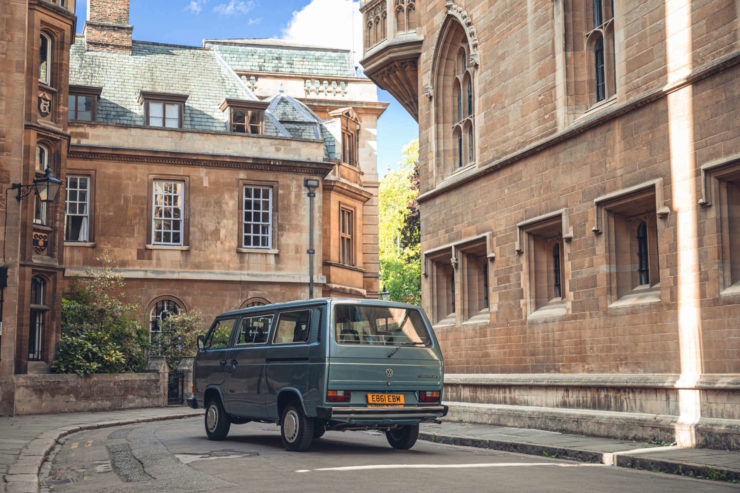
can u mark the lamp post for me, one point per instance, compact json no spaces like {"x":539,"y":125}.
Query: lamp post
{"x":311,"y":184}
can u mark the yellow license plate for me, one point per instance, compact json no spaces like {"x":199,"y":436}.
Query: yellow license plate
{"x":385,"y":399}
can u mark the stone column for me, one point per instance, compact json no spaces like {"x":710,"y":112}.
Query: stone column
{"x":158,"y":364}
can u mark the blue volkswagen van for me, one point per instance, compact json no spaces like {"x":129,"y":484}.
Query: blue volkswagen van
{"x":317,"y":365}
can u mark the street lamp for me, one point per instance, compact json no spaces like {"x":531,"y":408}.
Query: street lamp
{"x":46,"y":187}
{"x":311,"y":184}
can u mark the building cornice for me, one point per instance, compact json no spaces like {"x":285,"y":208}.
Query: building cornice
{"x":147,"y":156}
{"x":347,"y":189}
{"x":583,"y":125}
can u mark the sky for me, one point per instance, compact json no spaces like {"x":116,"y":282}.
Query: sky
{"x":331,"y":23}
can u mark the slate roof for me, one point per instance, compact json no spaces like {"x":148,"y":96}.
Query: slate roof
{"x":199,"y":73}
{"x":172,"y":69}
{"x":301,"y":121}
{"x":266,"y":55}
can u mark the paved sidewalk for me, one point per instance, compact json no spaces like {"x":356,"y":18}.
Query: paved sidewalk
{"x":693,"y":462}
{"x":26,"y":440}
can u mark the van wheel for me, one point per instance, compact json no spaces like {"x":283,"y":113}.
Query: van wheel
{"x":403,"y":437}
{"x":296,"y":430}
{"x":216,"y":421}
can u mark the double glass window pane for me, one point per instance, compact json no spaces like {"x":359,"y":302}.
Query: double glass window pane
{"x":164,"y":114}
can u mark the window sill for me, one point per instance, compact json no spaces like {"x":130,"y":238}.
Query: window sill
{"x":611,"y":100}
{"x":482,"y":317}
{"x":264,"y":251}
{"x":639,"y":296}
{"x":79,"y":244}
{"x":733,"y":290}
{"x":182,"y":248}
{"x":551,"y":311}
{"x":445,"y":323}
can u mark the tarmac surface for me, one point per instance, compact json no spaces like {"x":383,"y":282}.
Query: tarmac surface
{"x":25,"y":442}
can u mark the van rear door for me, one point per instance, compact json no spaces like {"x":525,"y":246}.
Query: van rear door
{"x":378,"y":349}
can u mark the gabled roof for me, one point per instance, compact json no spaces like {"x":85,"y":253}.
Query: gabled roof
{"x":274,"y":56}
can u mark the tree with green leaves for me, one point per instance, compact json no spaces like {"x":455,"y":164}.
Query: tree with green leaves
{"x":400,"y":258}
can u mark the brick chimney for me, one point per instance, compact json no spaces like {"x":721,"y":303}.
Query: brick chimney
{"x":107,"y":27}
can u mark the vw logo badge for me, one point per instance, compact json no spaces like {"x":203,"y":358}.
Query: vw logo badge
{"x":389,"y":372}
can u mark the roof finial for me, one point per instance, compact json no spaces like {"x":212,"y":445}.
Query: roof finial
{"x":281,"y":88}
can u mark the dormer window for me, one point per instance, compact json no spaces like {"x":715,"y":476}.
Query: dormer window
{"x":245,"y":117}
{"x":350,"y":125}
{"x":82,"y":103}
{"x":162,"y":109}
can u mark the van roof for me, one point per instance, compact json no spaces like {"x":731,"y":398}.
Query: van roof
{"x":317,"y":301}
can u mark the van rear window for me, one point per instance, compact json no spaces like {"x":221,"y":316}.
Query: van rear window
{"x":379,"y":325}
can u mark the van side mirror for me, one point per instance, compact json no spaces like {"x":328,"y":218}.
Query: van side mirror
{"x":201,"y":343}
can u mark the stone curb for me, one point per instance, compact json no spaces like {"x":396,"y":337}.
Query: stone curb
{"x":23,"y":474}
{"x":627,"y":461}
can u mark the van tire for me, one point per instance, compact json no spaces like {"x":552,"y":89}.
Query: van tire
{"x":296,"y":430}
{"x":216,"y":421}
{"x":403,"y":437}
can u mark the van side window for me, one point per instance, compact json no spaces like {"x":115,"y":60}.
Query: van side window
{"x":254,"y":330}
{"x":219,"y":335}
{"x":293,"y":327}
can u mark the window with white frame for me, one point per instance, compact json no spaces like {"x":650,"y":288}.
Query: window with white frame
{"x":168,"y":203}
{"x":160,"y":312}
{"x":257,"y":213}
{"x":77,"y":209}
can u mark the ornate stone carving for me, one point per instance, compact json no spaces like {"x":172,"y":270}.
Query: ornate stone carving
{"x":40,"y":242}
{"x":462,"y":15}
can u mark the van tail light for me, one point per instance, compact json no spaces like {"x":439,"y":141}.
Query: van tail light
{"x":425,"y":396}
{"x":338,"y":395}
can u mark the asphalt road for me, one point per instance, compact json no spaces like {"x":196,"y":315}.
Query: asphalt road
{"x":176,"y":456}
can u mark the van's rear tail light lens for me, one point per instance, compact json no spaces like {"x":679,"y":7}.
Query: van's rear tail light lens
{"x":425,"y":396}
{"x":338,"y":395}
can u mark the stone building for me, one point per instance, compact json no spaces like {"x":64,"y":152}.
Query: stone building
{"x":580,"y":207}
{"x":191,"y":168}
{"x":34,"y":137}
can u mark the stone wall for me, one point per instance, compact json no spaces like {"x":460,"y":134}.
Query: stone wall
{"x":641,"y":407}
{"x":50,"y":394}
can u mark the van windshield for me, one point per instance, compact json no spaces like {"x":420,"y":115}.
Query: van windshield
{"x":379,"y":325}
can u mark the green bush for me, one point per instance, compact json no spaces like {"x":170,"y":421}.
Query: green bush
{"x":177,"y":338}
{"x":100,"y":332}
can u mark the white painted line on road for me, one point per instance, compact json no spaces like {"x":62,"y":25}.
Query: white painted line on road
{"x":445,"y":466}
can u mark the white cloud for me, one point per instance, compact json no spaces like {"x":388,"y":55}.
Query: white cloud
{"x":330,"y":23}
{"x":196,"y":6}
{"x":234,"y":7}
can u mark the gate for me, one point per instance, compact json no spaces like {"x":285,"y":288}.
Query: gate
{"x":175,"y":387}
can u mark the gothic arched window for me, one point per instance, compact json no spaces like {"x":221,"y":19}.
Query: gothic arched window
{"x":600,"y":50}
{"x":454,"y":77}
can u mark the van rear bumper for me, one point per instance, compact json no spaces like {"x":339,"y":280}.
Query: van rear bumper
{"x":354,"y":414}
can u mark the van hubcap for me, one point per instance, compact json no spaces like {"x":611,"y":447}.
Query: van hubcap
{"x":290,"y":426}
{"x":212,"y":418}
